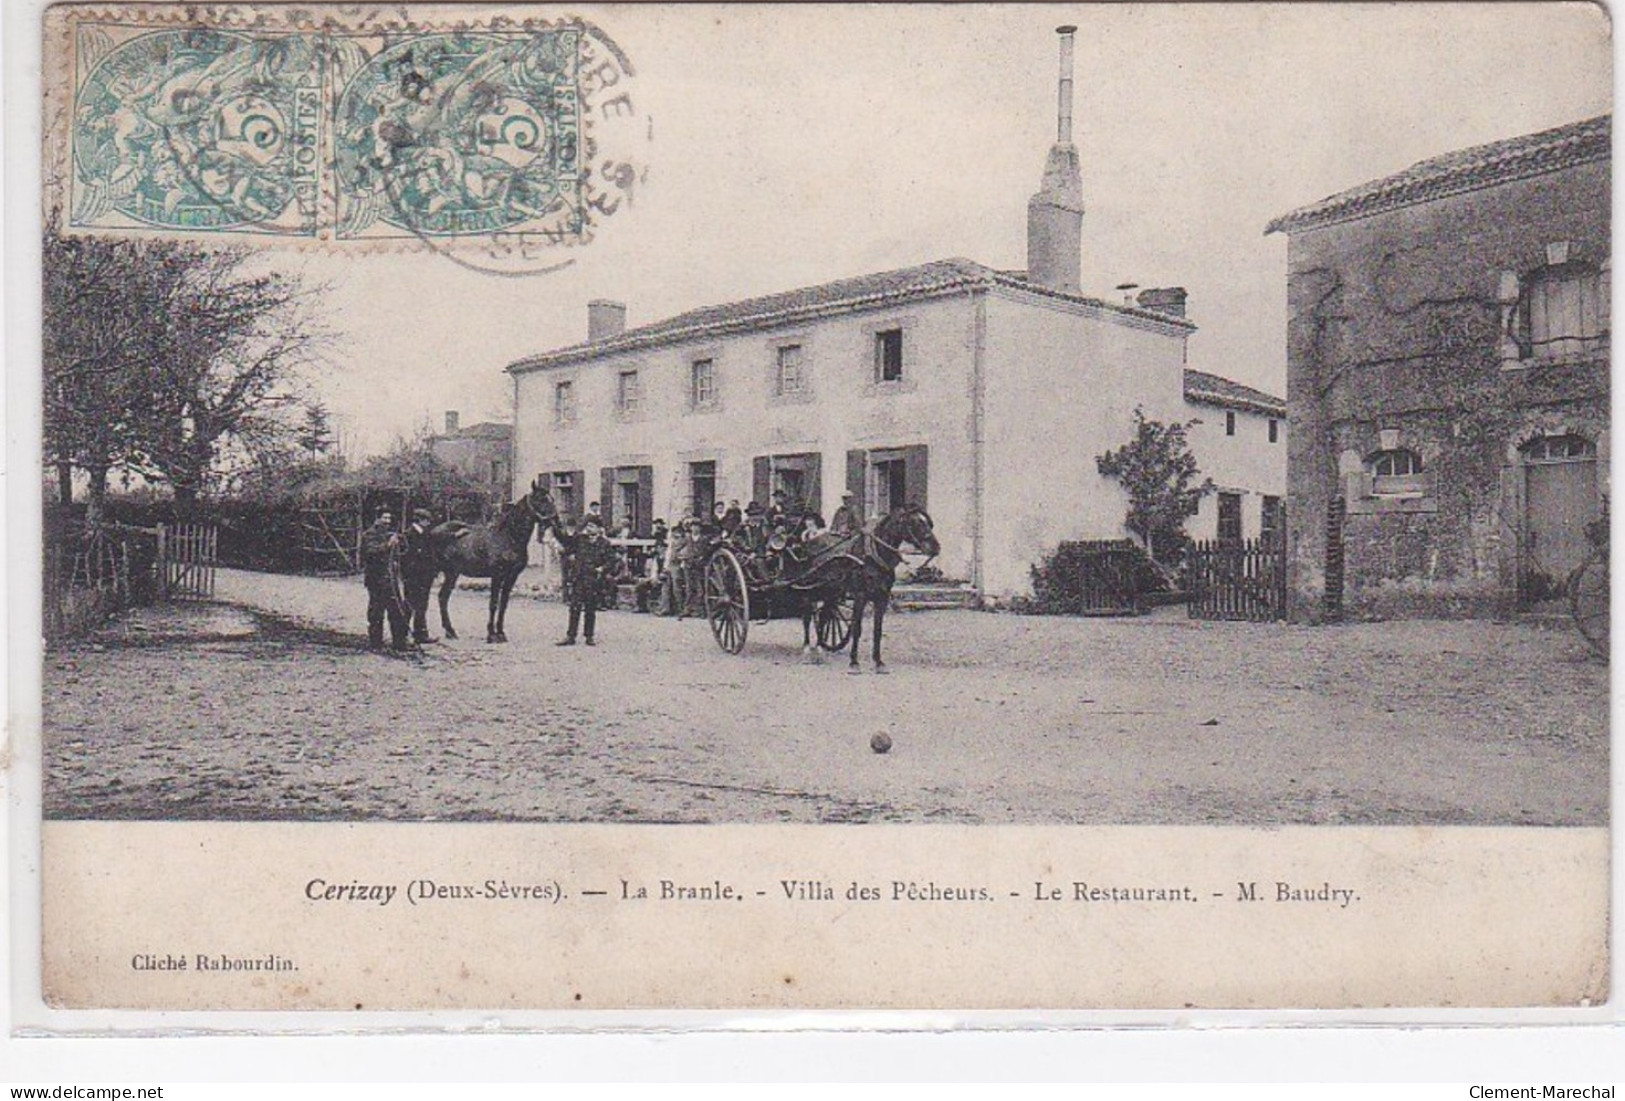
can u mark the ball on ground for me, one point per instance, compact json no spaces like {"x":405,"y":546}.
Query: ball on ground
{"x":881,"y":742}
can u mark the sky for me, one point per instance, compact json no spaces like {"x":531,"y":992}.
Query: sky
{"x":788,"y":146}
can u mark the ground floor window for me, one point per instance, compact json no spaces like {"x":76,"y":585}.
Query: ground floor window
{"x":628,"y":497}
{"x":565,"y":487}
{"x":886,"y":478}
{"x":702,"y":487}
{"x":889,"y":481}
{"x":1229,"y":517}
{"x":1272,"y":520}
{"x":798,"y":475}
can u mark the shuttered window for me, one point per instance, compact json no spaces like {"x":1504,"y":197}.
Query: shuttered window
{"x":1565,"y":312}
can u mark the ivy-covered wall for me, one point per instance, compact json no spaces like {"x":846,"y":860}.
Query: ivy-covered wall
{"x":1399,"y":338}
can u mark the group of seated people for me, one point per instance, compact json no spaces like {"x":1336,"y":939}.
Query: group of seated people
{"x":665,"y":571}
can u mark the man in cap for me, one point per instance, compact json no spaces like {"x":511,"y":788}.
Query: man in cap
{"x":379,"y":545}
{"x":588,"y":558}
{"x":418,"y":571}
{"x":847,"y":519}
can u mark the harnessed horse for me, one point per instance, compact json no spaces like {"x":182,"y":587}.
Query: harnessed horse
{"x":499,"y":550}
{"x":864,"y":566}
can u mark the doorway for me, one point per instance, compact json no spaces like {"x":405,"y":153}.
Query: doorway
{"x":1560,"y":500}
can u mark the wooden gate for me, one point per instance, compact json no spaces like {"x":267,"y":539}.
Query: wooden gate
{"x":186,"y":561}
{"x":1109,"y":576}
{"x":1238,"y":580}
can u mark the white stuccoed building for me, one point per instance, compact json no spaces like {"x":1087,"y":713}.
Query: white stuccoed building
{"x":983,"y":395}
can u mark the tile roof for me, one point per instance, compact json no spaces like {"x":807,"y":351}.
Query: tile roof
{"x":941,"y":277}
{"x":1455,"y":173}
{"x":1209,"y":389}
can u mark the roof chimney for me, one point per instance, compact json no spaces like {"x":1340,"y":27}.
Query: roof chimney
{"x":605,"y":319}
{"x":1169,"y":300}
{"x":451,"y":421}
{"x":1055,"y":214}
{"x":1063,"y":108}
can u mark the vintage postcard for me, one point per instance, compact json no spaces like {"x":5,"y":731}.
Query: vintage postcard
{"x":971,"y":508}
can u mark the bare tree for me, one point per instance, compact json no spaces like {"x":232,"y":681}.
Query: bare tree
{"x":232,"y":379}
{"x":169,"y":360}
{"x":100,"y":299}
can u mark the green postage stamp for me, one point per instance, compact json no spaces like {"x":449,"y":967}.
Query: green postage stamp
{"x":502,"y":135}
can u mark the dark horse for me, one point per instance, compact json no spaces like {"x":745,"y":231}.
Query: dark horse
{"x":499,"y":550}
{"x":863,"y":565}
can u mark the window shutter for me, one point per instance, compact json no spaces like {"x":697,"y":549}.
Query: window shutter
{"x":578,"y":493}
{"x":815,"y":483}
{"x":914,"y":475}
{"x":760,"y":481}
{"x":857,"y":463}
{"x":606,"y":494}
{"x":646,"y":502}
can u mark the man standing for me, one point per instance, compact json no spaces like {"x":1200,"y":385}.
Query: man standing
{"x":847,"y":518}
{"x":418,"y":571}
{"x":588,"y":559}
{"x":379,"y":545}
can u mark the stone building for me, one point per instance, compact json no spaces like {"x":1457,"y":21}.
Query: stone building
{"x":1448,"y":380}
{"x":984,"y":395}
{"x":482,"y":453}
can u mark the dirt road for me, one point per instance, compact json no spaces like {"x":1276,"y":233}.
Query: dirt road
{"x":268,"y":707}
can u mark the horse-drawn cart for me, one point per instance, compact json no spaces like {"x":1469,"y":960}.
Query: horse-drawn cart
{"x":827,"y":582}
{"x":742,"y":588}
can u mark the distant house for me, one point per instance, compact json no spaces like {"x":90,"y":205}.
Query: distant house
{"x":482,"y":453}
{"x":1447,"y":385}
{"x":1239,"y":439}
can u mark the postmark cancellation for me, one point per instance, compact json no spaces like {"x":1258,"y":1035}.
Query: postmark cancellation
{"x":453,"y":129}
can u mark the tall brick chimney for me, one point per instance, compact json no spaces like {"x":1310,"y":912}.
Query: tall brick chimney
{"x":1055,"y":214}
{"x":605,"y":319}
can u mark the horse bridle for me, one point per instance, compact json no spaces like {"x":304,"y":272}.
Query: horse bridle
{"x":537,"y":516}
{"x":898,"y":550}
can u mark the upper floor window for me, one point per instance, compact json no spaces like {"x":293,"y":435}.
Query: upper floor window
{"x":1275,"y":430}
{"x":1563,"y":312}
{"x":1395,"y":471}
{"x":789,"y":375}
{"x":702,"y":384}
{"x":1229,"y":424}
{"x":564,"y":402}
{"x":889,"y":355}
{"x":628,"y":392}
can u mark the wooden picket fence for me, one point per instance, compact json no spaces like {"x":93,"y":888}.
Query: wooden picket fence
{"x":1237,"y":580}
{"x":187,"y":555}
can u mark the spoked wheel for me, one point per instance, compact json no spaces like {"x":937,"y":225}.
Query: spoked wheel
{"x":727,"y":600}
{"x":834,"y":620}
{"x":1588,"y":600}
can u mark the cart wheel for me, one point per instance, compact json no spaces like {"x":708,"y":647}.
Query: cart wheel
{"x":727,"y":600}
{"x":834,"y":620}
{"x":1588,"y":600}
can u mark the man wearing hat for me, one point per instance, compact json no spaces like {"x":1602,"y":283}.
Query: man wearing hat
{"x":778,"y":509}
{"x":588,"y":558}
{"x":847,"y":519}
{"x":418,"y":571}
{"x":379,"y":544}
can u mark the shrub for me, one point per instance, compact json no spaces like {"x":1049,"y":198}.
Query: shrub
{"x":1059,"y":580}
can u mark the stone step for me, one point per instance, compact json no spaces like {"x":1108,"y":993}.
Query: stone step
{"x":930,"y":597}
